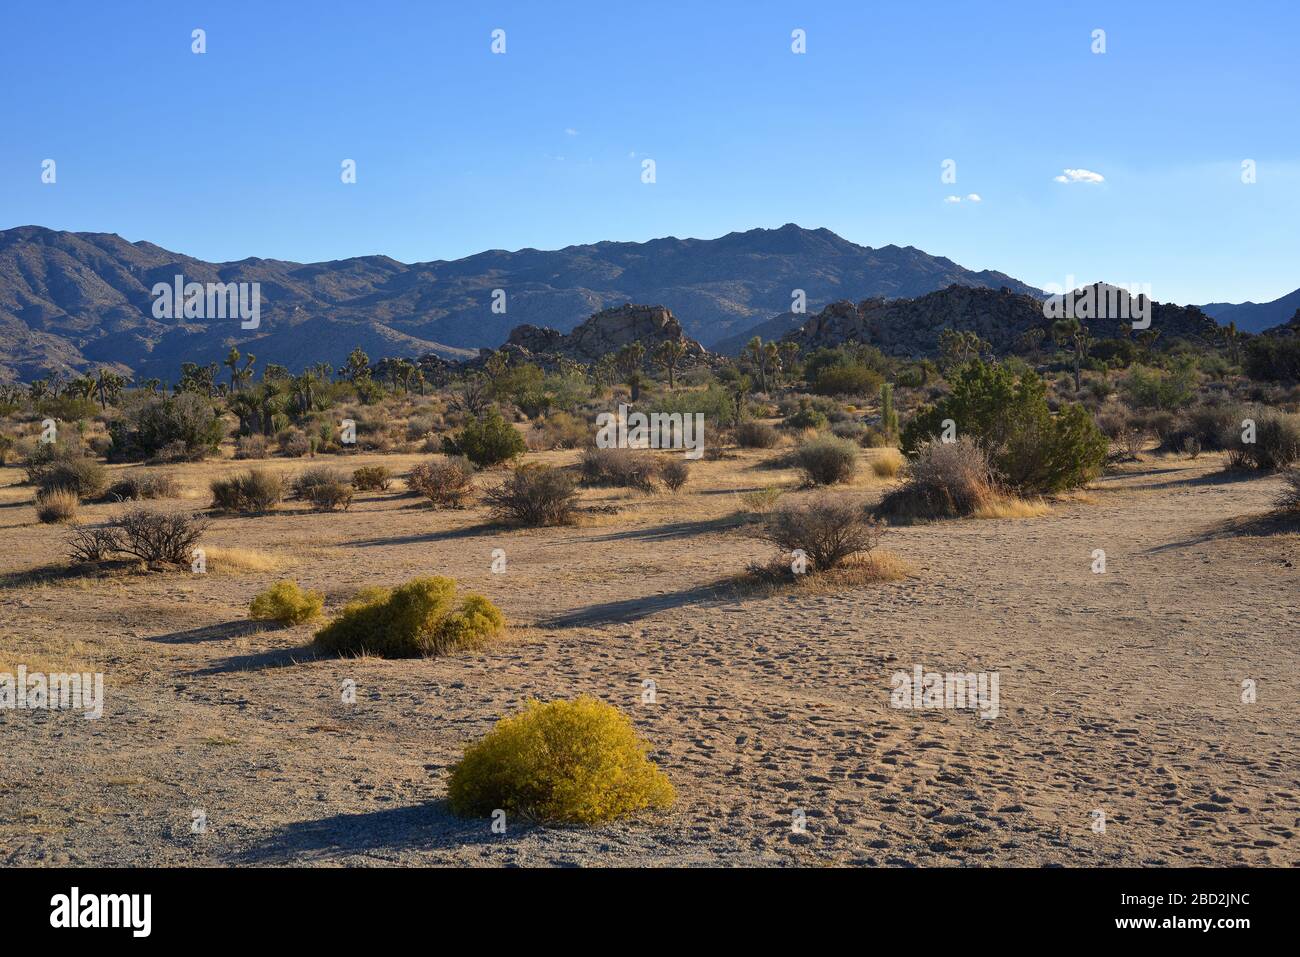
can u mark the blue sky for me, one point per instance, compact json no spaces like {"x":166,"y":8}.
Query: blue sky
{"x":237,"y":152}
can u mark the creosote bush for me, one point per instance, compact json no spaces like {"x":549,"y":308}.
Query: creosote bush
{"x":372,"y":478}
{"x":534,"y":495}
{"x":256,"y":490}
{"x":827,"y":460}
{"x":57,"y":506}
{"x":418,"y":619}
{"x":486,"y":441}
{"x":285,"y":602}
{"x":81,"y":475}
{"x":560,"y":762}
{"x":448,"y":483}
{"x":828,"y":529}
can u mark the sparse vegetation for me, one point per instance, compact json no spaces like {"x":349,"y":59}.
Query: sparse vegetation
{"x":560,"y":762}
{"x":828,"y":529}
{"x":159,"y":538}
{"x":372,"y":478}
{"x":57,"y":506}
{"x":534,"y":495}
{"x":251,"y":492}
{"x":418,"y":619}
{"x":827,"y":460}
{"x":944,"y":480}
{"x":447,"y":483}
{"x":286,"y":603}
{"x":624,"y":468}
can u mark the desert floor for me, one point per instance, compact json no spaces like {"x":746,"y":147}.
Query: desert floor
{"x":1119,"y":692}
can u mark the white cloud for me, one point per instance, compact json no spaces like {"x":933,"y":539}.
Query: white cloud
{"x":975,"y":198}
{"x":569,"y":130}
{"x":952,"y":199}
{"x":1079,"y":176}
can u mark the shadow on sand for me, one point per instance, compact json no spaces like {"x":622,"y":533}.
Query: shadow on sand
{"x":632,"y":609}
{"x":418,"y":827}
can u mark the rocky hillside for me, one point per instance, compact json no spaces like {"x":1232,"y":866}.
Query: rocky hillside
{"x":911,"y":327}
{"x":603,"y":333}
{"x":72,"y":301}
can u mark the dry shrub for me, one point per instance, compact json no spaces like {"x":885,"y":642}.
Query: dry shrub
{"x":560,"y":762}
{"x":624,"y":468}
{"x":250,"y":447}
{"x":94,"y":544}
{"x":560,"y":430}
{"x":304,"y":482}
{"x":329,"y":496}
{"x":448,"y":483}
{"x":139,"y":486}
{"x":372,"y":478}
{"x":1011,"y":506}
{"x":295,"y":443}
{"x":750,"y":434}
{"x":828,"y":529}
{"x":57,"y":506}
{"x":78,"y":474}
{"x":286,"y":603}
{"x":826,"y":460}
{"x":534,"y":495}
{"x":159,"y":538}
{"x":888,"y":464}
{"x":1288,"y":500}
{"x":944,"y":480}
{"x":418,"y":619}
{"x":256,"y":490}
{"x":674,"y":473}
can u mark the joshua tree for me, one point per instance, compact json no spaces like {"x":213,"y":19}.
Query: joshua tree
{"x":302,"y":390}
{"x":629,"y":360}
{"x":888,"y":414}
{"x":762,"y":357}
{"x":669,"y":354}
{"x":358,"y":366}
{"x":239,"y":376}
{"x":109,"y":385}
{"x":1073,"y":334}
{"x":1230,"y":337}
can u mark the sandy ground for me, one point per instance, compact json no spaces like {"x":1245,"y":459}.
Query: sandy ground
{"x":1119,"y":692}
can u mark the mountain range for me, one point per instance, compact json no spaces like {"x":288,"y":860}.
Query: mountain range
{"x":71,"y":302}
{"x":75,"y":301}
{"x":1255,"y":316}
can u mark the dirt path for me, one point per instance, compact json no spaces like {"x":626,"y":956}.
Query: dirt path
{"x":1119,"y":693}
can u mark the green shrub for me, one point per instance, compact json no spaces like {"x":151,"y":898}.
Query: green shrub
{"x":447,"y":483}
{"x":846,"y":379}
{"x":372,"y":478}
{"x":256,"y":490}
{"x":1273,"y":358}
{"x":418,"y":619}
{"x":286,"y":603}
{"x":807,"y":418}
{"x":486,"y":441}
{"x":178,"y":426}
{"x":827,"y":460}
{"x":534,"y":496}
{"x":56,"y":506}
{"x":1030,"y":449}
{"x":562,"y":762}
{"x":1157,"y":389}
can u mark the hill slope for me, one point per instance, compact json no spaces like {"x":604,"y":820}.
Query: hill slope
{"x":1254,"y":316}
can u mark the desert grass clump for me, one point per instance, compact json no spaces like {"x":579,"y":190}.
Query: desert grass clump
{"x":827,"y":530}
{"x":57,"y":506}
{"x":760,"y":501}
{"x":560,"y":762}
{"x":888,"y":464}
{"x":944,"y":480}
{"x":138,"y":486}
{"x":448,"y":483}
{"x":248,"y":493}
{"x":372,"y":478}
{"x":286,"y":603}
{"x":305,"y":481}
{"x":624,"y":468}
{"x":418,"y":619}
{"x":329,"y":496}
{"x":674,"y":473}
{"x":534,"y":496}
{"x":751,"y":434}
{"x":159,"y":538}
{"x":826,"y":460}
